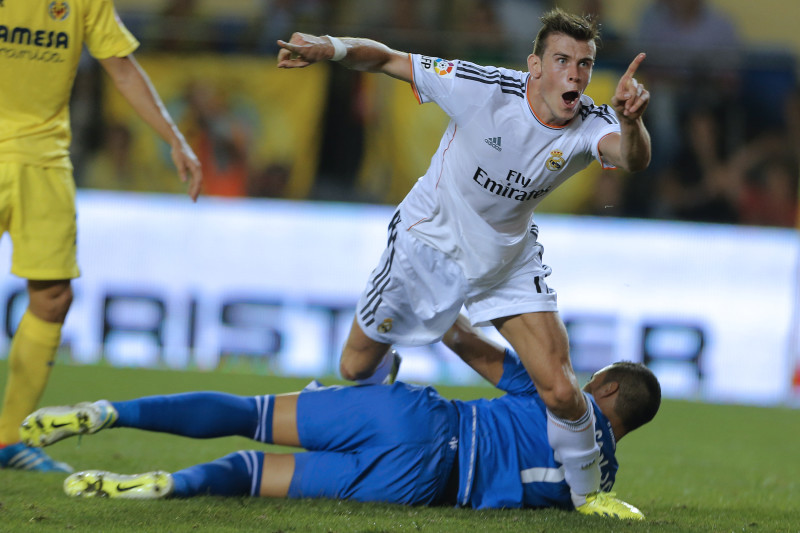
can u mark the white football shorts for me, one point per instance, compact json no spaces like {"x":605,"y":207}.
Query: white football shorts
{"x":416,"y":292}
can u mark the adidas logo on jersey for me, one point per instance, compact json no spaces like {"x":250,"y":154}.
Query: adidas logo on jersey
{"x":494,"y":142}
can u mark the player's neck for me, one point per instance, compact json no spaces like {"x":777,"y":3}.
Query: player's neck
{"x":539,"y":108}
{"x":616,"y":426}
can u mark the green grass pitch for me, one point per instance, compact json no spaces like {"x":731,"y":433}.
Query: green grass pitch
{"x":696,"y":467}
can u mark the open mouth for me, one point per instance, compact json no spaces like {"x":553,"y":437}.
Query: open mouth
{"x":570,"y":97}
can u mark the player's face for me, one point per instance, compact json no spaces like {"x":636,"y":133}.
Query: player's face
{"x":560,"y":76}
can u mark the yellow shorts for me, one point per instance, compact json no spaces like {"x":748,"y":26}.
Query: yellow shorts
{"x":37,"y":209}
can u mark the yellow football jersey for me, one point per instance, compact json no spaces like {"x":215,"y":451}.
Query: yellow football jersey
{"x":40,"y":46}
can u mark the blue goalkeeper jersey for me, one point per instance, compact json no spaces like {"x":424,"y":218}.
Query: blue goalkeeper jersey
{"x":504,"y":456}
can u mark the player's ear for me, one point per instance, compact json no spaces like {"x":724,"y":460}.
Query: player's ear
{"x":535,"y":66}
{"x":607,"y":389}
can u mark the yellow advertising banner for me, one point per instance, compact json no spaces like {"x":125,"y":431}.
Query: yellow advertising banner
{"x":255,"y":128}
{"x":400,"y":136}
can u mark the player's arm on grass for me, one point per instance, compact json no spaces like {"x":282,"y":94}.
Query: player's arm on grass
{"x":365,"y":55}
{"x":134,"y":84}
{"x":474,"y":348}
{"x":630,"y":149}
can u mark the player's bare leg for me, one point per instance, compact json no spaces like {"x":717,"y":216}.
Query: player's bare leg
{"x":284,"y":420}
{"x":361,"y":355}
{"x":50,"y":300}
{"x":277,"y":475}
{"x":541,"y":341}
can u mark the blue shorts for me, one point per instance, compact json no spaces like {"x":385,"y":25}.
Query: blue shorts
{"x":375,"y":443}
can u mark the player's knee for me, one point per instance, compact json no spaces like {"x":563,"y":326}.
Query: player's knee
{"x":344,"y":370}
{"x":50,"y":302}
{"x":360,"y":361}
{"x":351,"y":371}
{"x":59,"y":305}
{"x":564,"y":399}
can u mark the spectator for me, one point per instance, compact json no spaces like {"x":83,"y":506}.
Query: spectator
{"x":479,"y":34}
{"x":693,"y":60}
{"x":221,"y":135}
{"x":181,"y":28}
{"x":269,"y":182}
{"x":613,"y":44}
{"x":693,"y":55}
{"x":520,"y":20}
{"x":764,"y":174}
{"x":771,"y":196}
{"x":698,"y":188}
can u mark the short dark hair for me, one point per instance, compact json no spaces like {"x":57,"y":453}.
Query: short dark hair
{"x":639,"y":394}
{"x":581,"y":28}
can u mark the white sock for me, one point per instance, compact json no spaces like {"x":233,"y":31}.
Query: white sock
{"x":384,"y":367}
{"x":575,"y":447}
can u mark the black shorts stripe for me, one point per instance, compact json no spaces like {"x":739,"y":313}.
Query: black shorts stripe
{"x":370,"y":309}
{"x":392,"y":229}
{"x":382,"y":278}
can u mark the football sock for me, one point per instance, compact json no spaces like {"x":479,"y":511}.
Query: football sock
{"x":200,"y":415}
{"x":575,"y":447}
{"x":384,"y":367}
{"x":236,"y":474}
{"x":30,"y":361}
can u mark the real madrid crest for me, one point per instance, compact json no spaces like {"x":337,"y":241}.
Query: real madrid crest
{"x":385,"y":326}
{"x":555,"y":161}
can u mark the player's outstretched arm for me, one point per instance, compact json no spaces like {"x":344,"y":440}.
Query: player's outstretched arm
{"x":134,"y":84}
{"x":474,"y":348}
{"x":365,"y":55}
{"x":631,"y":149}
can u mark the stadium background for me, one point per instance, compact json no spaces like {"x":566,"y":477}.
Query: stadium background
{"x":698,"y":256}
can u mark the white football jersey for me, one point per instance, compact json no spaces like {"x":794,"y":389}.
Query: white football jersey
{"x":496,"y":161}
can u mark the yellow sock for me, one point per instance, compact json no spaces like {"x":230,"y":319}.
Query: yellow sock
{"x":30,"y":360}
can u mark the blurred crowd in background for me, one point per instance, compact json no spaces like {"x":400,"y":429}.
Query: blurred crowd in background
{"x":724,"y":115}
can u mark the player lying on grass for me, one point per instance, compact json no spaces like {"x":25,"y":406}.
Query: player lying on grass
{"x":399,"y":443}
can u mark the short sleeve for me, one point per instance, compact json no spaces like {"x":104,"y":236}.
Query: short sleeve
{"x":105,"y":34}
{"x":515,"y":378}
{"x":598,"y":122}
{"x":437,"y":80}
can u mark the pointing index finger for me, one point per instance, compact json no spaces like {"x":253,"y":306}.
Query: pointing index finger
{"x":634,"y":65}
{"x":284,"y":44}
